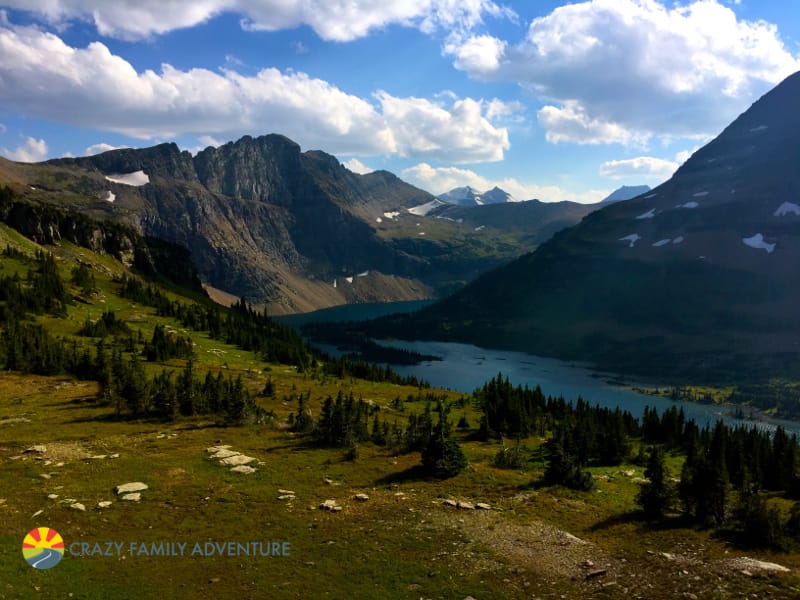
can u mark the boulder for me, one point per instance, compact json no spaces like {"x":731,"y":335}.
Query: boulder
{"x":243,"y":469}
{"x":134,"y":486}
{"x":37,"y":449}
{"x":78,"y":506}
{"x":465,"y":505}
{"x":239,"y":459}
{"x":52,"y":496}
{"x":286,"y":497}
{"x":225,"y":453}
{"x":483,"y":506}
{"x":281,"y":491}
{"x":133,"y":497}
{"x":448,"y":502}
{"x":361,"y":497}
{"x":104,"y":504}
{"x":215,"y":449}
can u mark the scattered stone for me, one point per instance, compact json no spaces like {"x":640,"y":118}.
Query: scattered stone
{"x":286,"y":497}
{"x":281,"y":491}
{"x":588,"y":564}
{"x":465,"y":505}
{"x":751,"y":564}
{"x":448,"y":502}
{"x":225,"y":453}
{"x":2,"y":501}
{"x":330,"y":505}
{"x":61,"y":464}
{"x":243,"y":469}
{"x":361,"y":497}
{"x":133,"y":497}
{"x":52,"y":496}
{"x":98,"y":457}
{"x":668,"y":556}
{"x":483,"y":506}
{"x":629,"y":473}
{"x":596,"y":573}
{"x":215,"y":449}
{"x":37,"y":449}
{"x":104,"y":504}
{"x":640,"y":480}
{"x":214,"y":580}
{"x":134,"y":486}
{"x":160,"y":436}
{"x":36,"y":514}
{"x":115,"y":455}
{"x":239,"y":459}
{"x":569,"y":538}
{"x":78,"y":506}
{"x":329,"y":481}
{"x":45,"y":475}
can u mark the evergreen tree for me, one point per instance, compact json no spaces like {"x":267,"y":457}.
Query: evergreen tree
{"x":656,"y":496}
{"x":442,"y":456}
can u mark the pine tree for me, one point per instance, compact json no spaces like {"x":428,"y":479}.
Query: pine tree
{"x":657,"y":496}
{"x":442,"y":456}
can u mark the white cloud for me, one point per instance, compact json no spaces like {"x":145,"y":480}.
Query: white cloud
{"x":571,"y":123}
{"x":356,"y":166}
{"x":438,"y":180}
{"x":94,"y":88}
{"x":622,"y":71}
{"x":100,"y":148}
{"x":339,"y":20}
{"x":642,"y":166}
{"x":3,"y":128}
{"x":32,"y":150}
{"x":645,"y":167}
{"x":478,"y":54}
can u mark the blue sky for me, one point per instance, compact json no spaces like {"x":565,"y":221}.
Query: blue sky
{"x":546,"y":99}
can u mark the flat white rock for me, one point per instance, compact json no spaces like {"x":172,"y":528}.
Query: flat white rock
{"x":134,"y":486}
{"x":239,"y":459}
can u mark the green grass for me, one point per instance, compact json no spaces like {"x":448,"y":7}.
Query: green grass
{"x":402,"y":543}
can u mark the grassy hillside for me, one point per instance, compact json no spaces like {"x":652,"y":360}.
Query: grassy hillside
{"x":405,"y":541}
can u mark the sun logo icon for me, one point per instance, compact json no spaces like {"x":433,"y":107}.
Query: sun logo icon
{"x":43,"y":548}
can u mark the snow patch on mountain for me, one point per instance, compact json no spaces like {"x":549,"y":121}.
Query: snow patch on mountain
{"x":632,"y":239}
{"x":700,"y":194}
{"x":136,"y":179}
{"x":787,"y":208}
{"x":687,"y":205}
{"x":759,"y":128}
{"x":648,"y":215}
{"x":757,"y":242}
{"x":469,"y":196}
{"x":424,"y":209}
{"x":660,"y":243}
{"x":110,"y":196}
{"x":678,"y":240}
{"x":391,"y":215}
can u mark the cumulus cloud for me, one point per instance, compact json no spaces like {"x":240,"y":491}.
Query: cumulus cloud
{"x":645,"y":166}
{"x":32,"y":150}
{"x":356,"y":166}
{"x":100,"y":148}
{"x":94,"y":88}
{"x":438,"y":180}
{"x":622,"y":71}
{"x":337,"y":20}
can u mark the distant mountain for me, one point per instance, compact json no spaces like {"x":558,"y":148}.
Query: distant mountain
{"x":698,"y":278}
{"x":468,"y":196}
{"x":626,"y":192}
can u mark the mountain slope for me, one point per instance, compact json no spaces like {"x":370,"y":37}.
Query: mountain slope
{"x":626,"y":192}
{"x":262,"y":219}
{"x":699,"y":277}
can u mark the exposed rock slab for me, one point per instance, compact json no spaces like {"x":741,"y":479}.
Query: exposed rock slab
{"x":134,"y":486}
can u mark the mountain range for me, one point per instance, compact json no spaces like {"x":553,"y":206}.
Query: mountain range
{"x":698,"y":277}
{"x":291,"y":230}
{"x":626,"y":192}
{"x":468,"y":196}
